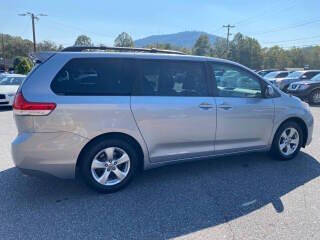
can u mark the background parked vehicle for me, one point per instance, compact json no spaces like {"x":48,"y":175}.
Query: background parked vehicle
{"x":296,"y":77}
{"x":9,"y":84}
{"x":273,"y":77}
{"x":307,"y":90}
{"x":266,"y":71}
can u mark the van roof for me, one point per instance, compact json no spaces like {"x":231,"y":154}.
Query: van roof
{"x":43,"y":56}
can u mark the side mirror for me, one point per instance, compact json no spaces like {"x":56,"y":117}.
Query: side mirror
{"x":269,"y":92}
{"x":303,"y":77}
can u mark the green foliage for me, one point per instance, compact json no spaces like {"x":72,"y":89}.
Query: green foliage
{"x":275,"y":57}
{"x":24,"y":66}
{"x":48,"y":46}
{"x":16,"y":46}
{"x":246,"y":50}
{"x":202,"y":46}
{"x":16,"y":61}
{"x":242,"y":49}
{"x":167,"y":46}
{"x":219,"y":49}
{"x":83,"y":40}
{"x":123,"y":40}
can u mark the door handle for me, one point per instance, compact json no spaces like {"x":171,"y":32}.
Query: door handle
{"x":205,"y":105}
{"x":225,"y":106}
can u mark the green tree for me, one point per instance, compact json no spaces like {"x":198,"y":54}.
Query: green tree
{"x":24,"y":67}
{"x":168,"y":46}
{"x":219,"y":48}
{"x":84,"y":41}
{"x":15,"y":46}
{"x":48,"y":46}
{"x":123,"y":40}
{"x":247,"y":51}
{"x":276,"y":57}
{"x":312,"y":56}
{"x":16,"y":61}
{"x":202,"y":46}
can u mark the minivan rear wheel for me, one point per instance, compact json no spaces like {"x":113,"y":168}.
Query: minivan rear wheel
{"x":287,"y":141}
{"x":109,"y":165}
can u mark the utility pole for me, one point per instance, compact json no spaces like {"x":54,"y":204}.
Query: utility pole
{"x":228,"y":34}
{"x":3,"y":55}
{"x":33,"y":17}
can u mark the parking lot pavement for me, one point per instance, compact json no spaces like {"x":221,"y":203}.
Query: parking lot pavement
{"x":241,"y":197}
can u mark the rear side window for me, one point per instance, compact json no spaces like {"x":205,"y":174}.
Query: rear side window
{"x":310,"y":75}
{"x":171,"y":78}
{"x":94,"y":76}
{"x":282,"y":75}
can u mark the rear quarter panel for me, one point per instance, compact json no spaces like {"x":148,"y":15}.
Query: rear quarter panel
{"x":86,"y":116}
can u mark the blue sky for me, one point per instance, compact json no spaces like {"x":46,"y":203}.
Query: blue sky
{"x":282,"y":22}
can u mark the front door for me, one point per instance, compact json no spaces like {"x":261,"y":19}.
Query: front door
{"x":173,"y":109}
{"x":244,"y":115}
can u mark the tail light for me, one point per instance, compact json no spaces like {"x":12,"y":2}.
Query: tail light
{"x":23,"y":107}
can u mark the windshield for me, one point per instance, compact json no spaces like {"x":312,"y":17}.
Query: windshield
{"x":316,"y":78}
{"x":11,"y":80}
{"x":295,"y":74}
{"x":271,"y":75}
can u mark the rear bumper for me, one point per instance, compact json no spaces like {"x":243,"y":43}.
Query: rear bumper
{"x":49,"y":153}
{"x":8,"y":101}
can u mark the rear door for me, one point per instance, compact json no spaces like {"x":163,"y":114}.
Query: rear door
{"x":244,"y":115}
{"x":174,"y":110}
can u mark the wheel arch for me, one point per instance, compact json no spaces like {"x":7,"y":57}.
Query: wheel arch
{"x":301,"y":123}
{"x":113,"y":135}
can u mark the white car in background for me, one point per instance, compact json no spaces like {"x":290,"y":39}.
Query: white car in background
{"x":9,"y":84}
{"x":276,"y":77}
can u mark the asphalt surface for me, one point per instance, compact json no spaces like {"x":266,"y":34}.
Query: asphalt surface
{"x":243,"y":197}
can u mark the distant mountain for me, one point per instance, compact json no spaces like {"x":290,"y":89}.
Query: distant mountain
{"x":182,"y":39}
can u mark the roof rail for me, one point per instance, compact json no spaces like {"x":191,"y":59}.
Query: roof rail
{"x":120,"y":49}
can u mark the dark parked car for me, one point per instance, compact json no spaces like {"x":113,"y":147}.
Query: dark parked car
{"x":266,"y":71}
{"x":307,"y":90}
{"x":296,"y":77}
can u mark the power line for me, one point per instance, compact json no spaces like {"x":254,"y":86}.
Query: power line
{"x":33,"y":18}
{"x":286,"y":28}
{"x":292,"y":40}
{"x":265,"y":12}
{"x":302,"y":46}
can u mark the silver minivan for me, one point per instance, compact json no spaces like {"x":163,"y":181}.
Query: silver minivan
{"x":104,"y":116}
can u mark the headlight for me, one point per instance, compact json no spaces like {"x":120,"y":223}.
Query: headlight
{"x":11,"y":94}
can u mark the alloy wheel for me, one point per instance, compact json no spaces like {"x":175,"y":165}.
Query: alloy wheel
{"x":110,"y":166}
{"x":289,"y":141}
{"x":316,"y":97}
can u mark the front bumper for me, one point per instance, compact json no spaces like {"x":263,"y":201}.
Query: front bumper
{"x":50,"y":153}
{"x":300,"y":94}
{"x":310,"y":133}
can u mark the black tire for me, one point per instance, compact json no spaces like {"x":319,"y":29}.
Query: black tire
{"x":311,"y":97}
{"x":89,"y":155}
{"x":275,"y":149}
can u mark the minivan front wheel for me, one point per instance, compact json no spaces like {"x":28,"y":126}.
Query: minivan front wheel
{"x":109,"y":165}
{"x":287,"y":141}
